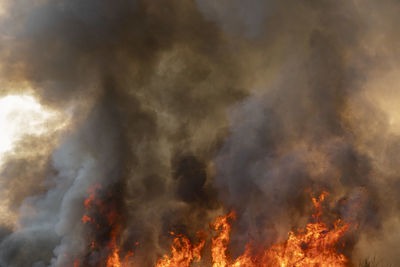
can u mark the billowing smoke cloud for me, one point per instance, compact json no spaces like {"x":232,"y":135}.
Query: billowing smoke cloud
{"x":152,"y":82}
{"x":314,"y":126}
{"x":183,"y":109}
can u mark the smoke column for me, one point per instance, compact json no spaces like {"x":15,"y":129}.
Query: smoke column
{"x":179,"y":111}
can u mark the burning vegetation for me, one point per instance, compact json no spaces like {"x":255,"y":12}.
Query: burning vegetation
{"x":187,"y":133}
{"x":316,"y":245}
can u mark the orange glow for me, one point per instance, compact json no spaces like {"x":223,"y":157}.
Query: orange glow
{"x":92,"y":196}
{"x":315,"y":245}
{"x":111,"y":216}
{"x":310,"y":247}
{"x":86,"y":219}
{"x":113,"y":259}
{"x":221,"y":241}
{"x":183,"y":252}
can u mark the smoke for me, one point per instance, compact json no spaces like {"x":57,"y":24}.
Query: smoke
{"x":316,"y":125}
{"x":181,"y":110}
{"x":148,"y":84}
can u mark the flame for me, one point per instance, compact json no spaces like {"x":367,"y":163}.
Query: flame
{"x":113,"y":259}
{"x":315,"y":245}
{"x":92,"y":196}
{"x":221,"y":241}
{"x":183,"y":252}
{"x":108,"y":212}
{"x":86,"y":219}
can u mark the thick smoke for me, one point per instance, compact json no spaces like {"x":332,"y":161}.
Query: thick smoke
{"x":182,"y":110}
{"x":152,"y":81}
{"x":315,"y":127}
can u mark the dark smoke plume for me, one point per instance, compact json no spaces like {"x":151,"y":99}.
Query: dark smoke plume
{"x":182,"y":110}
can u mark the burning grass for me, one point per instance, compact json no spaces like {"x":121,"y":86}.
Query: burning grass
{"x":314,"y":245}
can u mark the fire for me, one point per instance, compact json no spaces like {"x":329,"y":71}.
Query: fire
{"x":183,"y":252}
{"x":113,"y":259}
{"x":221,"y":241}
{"x":108,"y":213}
{"x":315,"y":245}
{"x":92,"y":196}
{"x":86,"y":219}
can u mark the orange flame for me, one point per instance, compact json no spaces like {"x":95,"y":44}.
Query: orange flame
{"x":221,"y":241}
{"x":86,"y":219}
{"x":183,"y":252}
{"x":92,"y":195}
{"x":113,"y":258}
{"x":313,"y":246}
